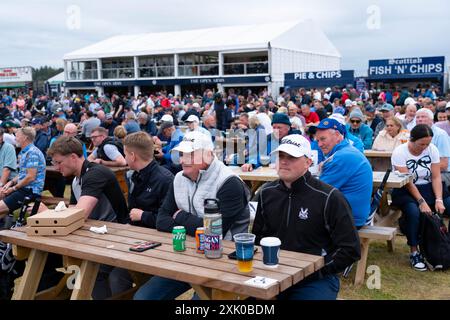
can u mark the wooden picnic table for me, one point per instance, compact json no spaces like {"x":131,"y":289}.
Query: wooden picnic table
{"x":385,"y":216}
{"x":51,"y":173}
{"x":379,"y":160}
{"x":265,"y":174}
{"x":211,"y":278}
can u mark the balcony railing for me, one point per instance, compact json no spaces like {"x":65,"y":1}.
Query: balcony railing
{"x":118,"y":73}
{"x":196,"y":70}
{"x":246,"y":68}
{"x":156,"y":72}
{"x":90,"y":74}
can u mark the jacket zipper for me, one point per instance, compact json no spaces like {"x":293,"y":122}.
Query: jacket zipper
{"x":289,"y":210}
{"x":193,"y":195}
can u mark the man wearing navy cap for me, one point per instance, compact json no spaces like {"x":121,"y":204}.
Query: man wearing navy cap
{"x":281,"y":128}
{"x":387,"y":111}
{"x":372,"y":120}
{"x":42,"y":137}
{"x":345,"y":168}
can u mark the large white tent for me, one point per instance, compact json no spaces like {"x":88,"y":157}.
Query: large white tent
{"x":304,"y":36}
{"x":293,"y":46}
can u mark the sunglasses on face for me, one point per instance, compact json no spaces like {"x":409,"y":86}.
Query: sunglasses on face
{"x":355,"y":121}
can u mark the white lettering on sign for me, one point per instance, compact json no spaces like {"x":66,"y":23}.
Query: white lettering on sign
{"x":300,"y":76}
{"x":318,"y":75}
{"x":380,"y":70}
{"x":405,"y":61}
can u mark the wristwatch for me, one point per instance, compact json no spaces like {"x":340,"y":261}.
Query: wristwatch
{"x":420,"y":201}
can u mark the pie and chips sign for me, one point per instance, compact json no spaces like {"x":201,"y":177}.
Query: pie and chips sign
{"x":16,"y":74}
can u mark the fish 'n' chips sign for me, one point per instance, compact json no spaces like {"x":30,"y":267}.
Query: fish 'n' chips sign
{"x":407,"y":68}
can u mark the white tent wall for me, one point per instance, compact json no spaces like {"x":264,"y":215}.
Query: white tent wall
{"x":287,"y":61}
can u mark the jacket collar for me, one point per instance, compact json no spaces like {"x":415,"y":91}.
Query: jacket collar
{"x":343,"y":144}
{"x":298,"y":184}
{"x":148,"y":169}
{"x":204,"y":174}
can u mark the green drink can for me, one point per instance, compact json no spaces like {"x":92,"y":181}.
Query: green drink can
{"x":179,"y":238}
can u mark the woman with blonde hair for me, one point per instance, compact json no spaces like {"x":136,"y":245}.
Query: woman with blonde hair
{"x":60,"y":124}
{"x":120,"y":132}
{"x":391,"y":136}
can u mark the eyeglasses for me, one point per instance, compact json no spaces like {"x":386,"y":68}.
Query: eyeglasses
{"x":355,"y":121}
{"x":57,"y":163}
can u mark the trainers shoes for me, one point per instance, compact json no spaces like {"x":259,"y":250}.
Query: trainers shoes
{"x":417,"y":262}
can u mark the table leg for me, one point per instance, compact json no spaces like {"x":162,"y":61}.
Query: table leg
{"x":362,"y":263}
{"x":31,"y":276}
{"x":85,"y":281}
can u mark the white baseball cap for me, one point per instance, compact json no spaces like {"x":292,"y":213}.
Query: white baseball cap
{"x":409,"y":101}
{"x":295,"y":145}
{"x":348,"y":103}
{"x":338,"y":117}
{"x":167,"y":118}
{"x":448,"y":105}
{"x":194,"y":140}
{"x":327,"y":89}
{"x":193,"y":118}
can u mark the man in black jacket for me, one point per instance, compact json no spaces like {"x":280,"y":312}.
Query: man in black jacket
{"x":309,"y":216}
{"x":149,"y":182}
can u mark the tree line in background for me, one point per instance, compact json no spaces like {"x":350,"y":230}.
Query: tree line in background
{"x":42,"y":74}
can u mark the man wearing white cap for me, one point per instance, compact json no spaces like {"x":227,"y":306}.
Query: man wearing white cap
{"x":308,"y":216}
{"x":203,"y":177}
{"x":193,"y":123}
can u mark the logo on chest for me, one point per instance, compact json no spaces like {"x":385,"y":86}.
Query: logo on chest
{"x":149,"y":190}
{"x":303,"y":214}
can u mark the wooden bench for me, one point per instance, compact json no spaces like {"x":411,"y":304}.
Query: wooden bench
{"x":366,"y":234}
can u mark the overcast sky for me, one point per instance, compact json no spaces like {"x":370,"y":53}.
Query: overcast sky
{"x":40,"y":32}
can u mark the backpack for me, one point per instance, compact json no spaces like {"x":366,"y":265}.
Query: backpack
{"x":434,"y":242}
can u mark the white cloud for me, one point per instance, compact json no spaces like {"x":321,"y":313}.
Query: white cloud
{"x":35,"y":31}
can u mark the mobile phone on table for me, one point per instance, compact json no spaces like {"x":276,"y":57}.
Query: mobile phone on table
{"x":144,"y":246}
{"x":232,"y":255}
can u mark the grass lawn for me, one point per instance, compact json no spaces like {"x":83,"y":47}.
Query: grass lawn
{"x":398,"y":280}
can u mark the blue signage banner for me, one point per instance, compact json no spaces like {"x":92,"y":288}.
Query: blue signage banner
{"x":407,"y":68}
{"x":170,"y":82}
{"x":318,"y":79}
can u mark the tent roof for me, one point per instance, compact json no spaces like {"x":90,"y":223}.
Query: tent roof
{"x":58,"y":78}
{"x":294,"y":35}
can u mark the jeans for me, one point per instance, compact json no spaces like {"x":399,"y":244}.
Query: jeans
{"x":411,"y":215}
{"x":158,"y":288}
{"x":111,"y":281}
{"x":326,"y":288}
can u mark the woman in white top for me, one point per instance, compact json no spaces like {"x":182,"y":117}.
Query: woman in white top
{"x":391,"y":136}
{"x":421,"y":159}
